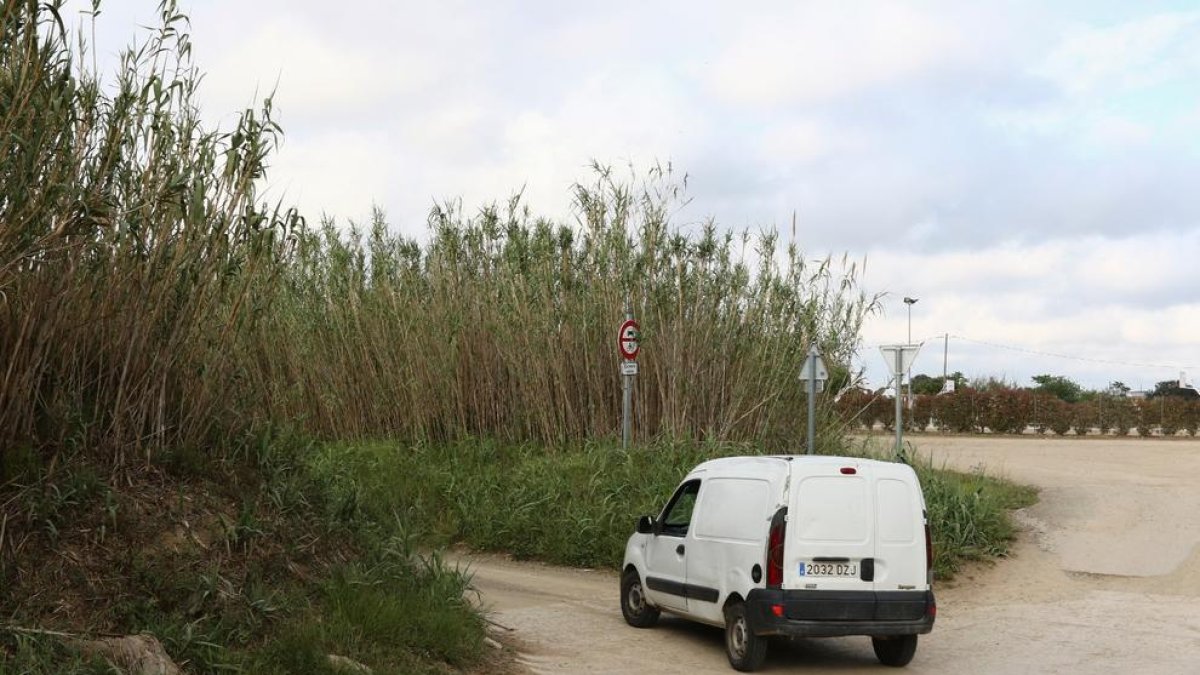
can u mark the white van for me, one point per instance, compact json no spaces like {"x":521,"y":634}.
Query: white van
{"x":809,"y":546}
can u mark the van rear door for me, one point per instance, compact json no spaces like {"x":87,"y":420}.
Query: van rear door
{"x":901,"y":574}
{"x":829,"y":555}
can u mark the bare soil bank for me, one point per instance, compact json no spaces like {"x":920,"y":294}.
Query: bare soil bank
{"x":1106,"y":579}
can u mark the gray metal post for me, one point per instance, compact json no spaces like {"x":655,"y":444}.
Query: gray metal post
{"x":945,"y":357}
{"x":899,"y":411}
{"x":627,"y":393}
{"x":811,"y":368}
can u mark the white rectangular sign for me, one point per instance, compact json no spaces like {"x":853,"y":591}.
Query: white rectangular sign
{"x":629,"y":368}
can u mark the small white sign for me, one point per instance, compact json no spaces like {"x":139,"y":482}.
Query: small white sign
{"x":629,"y":368}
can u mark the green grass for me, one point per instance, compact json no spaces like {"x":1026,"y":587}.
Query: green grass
{"x":397,"y":613}
{"x":46,"y":655}
{"x":970,"y":515}
{"x":238,"y":605}
{"x":576,"y":505}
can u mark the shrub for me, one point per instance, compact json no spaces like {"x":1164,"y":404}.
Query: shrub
{"x":958,"y":410}
{"x":923,"y":411}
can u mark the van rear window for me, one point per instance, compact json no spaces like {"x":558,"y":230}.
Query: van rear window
{"x":833,"y":509}
{"x":733,"y":508}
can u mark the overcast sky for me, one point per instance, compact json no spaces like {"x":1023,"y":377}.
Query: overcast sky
{"x":1027,"y":170}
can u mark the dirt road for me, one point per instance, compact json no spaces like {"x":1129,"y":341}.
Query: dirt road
{"x":1106,"y":579}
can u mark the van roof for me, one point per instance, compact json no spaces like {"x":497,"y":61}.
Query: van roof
{"x":765,"y":461}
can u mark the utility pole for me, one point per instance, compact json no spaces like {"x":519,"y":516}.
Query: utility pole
{"x":945,"y":357}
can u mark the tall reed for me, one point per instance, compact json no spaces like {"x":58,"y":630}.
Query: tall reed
{"x":130,"y":244}
{"x":504,"y":324}
{"x":148,"y":299}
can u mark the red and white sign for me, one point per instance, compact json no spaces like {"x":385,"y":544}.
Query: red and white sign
{"x":627,"y":339}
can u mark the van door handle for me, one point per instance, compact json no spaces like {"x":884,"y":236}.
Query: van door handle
{"x":679,"y":549}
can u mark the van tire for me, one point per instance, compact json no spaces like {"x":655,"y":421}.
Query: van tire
{"x":896,"y":651}
{"x":634,"y":606}
{"x":746,"y":650}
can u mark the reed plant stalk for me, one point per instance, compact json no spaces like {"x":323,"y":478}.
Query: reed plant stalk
{"x":504,"y":324}
{"x":149,"y":298}
{"x":133,"y":252}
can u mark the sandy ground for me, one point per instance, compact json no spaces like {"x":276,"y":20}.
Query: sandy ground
{"x":1105,"y":579}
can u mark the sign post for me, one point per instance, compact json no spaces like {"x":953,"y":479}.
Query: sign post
{"x":814,"y":374}
{"x":627,"y":345}
{"x":899,"y":359}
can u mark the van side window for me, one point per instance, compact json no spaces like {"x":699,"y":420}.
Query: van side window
{"x":678,"y":514}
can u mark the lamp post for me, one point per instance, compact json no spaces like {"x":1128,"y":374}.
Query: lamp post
{"x":910,"y":302}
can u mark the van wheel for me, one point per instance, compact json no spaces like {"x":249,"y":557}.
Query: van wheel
{"x":896,"y":650}
{"x":634,"y":607}
{"x":746,"y":650}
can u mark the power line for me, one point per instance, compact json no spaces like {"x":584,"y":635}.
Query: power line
{"x":1071,"y":357}
{"x":1037,"y":352}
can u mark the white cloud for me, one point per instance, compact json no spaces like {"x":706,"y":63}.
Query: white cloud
{"x":802,"y":141}
{"x":336,"y":173}
{"x":1127,"y":300}
{"x":815,"y":52}
{"x":314,"y":74}
{"x":1137,"y":53}
{"x":1025,"y":169}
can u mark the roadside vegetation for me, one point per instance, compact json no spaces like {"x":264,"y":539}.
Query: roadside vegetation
{"x":1053,"y":405}
{"x":189,"y":372}
{"x":576,"y":504}
{"x":235,"y":564}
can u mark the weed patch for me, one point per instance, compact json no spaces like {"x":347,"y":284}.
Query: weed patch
{"x":969,"y":514}
{"x":246,"y":566}
{"x":576,"y":505}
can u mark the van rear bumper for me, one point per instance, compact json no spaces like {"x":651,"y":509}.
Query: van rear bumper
{"x":810,"y":613}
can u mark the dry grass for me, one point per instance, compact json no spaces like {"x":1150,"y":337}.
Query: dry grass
{"x":148,"y":301}
{"x":504,"y":325}
{"x":132,"y":249}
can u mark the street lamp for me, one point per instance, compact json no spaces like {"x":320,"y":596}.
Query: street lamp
{"x":910,"y":302}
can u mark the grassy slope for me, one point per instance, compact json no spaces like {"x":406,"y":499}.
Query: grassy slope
{"x":233,"y":565}
{"x":576,"y":505}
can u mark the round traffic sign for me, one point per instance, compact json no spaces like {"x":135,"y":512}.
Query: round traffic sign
{"x":627,"y":339}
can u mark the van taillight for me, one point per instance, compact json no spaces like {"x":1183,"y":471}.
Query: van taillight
{"x":928,"y":549}
{"x":775,"y":542}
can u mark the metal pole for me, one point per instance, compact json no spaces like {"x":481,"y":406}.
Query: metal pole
{"x":909,"y":322}
{"x":810,"y":367}
{"x":899,"y":412}
{"x":945,"y":357}
{"x":627,"y":393}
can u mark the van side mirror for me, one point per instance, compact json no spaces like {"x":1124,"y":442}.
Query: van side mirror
{"x":645,"y":525}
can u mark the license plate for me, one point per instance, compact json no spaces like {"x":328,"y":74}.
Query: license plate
{"x":829,"y":569}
